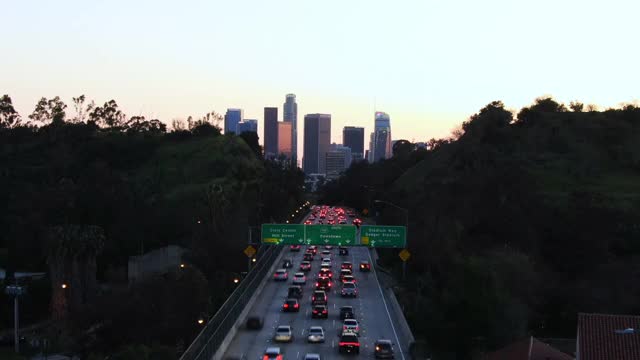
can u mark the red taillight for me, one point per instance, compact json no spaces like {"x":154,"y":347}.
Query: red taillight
{"x":324,"y":311}
{"x":266,"y":357}
{"x":329,"y":284}
{"x":349,"y":344}
{"x":285,"y":306}
{"x":315,"y":311}
{"x":317,"y":284}
{"x":296,"y":306}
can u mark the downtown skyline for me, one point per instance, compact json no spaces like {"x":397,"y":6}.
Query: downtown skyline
{"x":429,"y":65}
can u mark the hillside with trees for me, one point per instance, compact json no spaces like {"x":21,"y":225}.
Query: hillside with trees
{"x":80,"y":194}
{"x":516,"y":223}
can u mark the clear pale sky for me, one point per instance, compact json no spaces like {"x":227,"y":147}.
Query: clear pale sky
{"x":429,"y":64}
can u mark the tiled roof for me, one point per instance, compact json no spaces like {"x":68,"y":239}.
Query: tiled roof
{"x":608,"y":337}
{"x":528,"y":349}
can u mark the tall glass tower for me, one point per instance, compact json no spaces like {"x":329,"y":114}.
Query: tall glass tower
{"x":231,"y":120}
{"x":290,"y":114}
{"x":382,"y":137}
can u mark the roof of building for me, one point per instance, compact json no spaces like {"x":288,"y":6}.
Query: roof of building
{"x":528,"y":349}
{"x":602,"y":336}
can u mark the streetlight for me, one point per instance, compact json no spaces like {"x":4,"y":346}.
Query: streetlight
{"x":16,"y":291}
{"x":236,"y":280}
{"x":182,"y":266}
{"x":64,"y":286}
{"x":406,"y":224}
{"x":253,"y":260}
{"x":200,"y":321}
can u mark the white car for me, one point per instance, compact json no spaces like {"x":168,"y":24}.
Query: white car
{"x":312,"y":357}
{"x":281,"y":275}
{"x":351,"y":325}
{"x":316,"y":334}
{"x":299,"y":278}
{"x":283,"y":334}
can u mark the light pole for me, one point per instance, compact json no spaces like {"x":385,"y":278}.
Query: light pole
{"x":406,"y":224}
{"x":16,"y":291}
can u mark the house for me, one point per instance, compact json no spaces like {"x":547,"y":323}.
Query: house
{"x":608,"y":337}
{"x":528,"y":349}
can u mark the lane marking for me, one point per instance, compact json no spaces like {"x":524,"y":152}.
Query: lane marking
{"x":385,"y":306}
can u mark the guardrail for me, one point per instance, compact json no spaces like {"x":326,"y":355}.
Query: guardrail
{"x":207,"y":342}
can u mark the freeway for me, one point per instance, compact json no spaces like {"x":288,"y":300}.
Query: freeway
{"x":371,"y":311}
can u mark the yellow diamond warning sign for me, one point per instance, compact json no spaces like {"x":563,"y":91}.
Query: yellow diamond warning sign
{"x":404,"y":255}
{"x":250,"y":251}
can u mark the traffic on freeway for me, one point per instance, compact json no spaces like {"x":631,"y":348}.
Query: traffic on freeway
{"x":321,"y":302}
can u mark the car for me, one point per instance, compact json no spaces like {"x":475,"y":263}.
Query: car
{"x":349,"y":343}
{"x":346,"y":265}
{"x":312,"y":357}
{"x":294,"y":248}
{"x":287,"y":264}
{"x":294,"y":292}
{"x":343,"y":251}
{"x":319,"y":297}
{"x":323,"y":283}
{"x":346,"y":312}
{"x":326,"y":253}
{"x":283,"y":334}
{"x":357,"y":222}
{"x":365,"y":266}
{"x":308,"y":222}
{"x":328,"y":247}
{"x":349,"y":289}
{"x":348,"y":278}
{"x":383,"y":349}
{"x":272,"y":353}
{"x":320,"y":311}
{"x":344,"y":272}
{"x":305,"y":266}
{"x":255,"y":322}
{"x":325,"y":272}
{"x":342,"y":222}
{"x":313,"y":248}
{"x":307,"y":257}
{"x":325,"y":266}
{"x":299,"y":278}
{"x":316,"y":334}
{"x":351,"y":325}
{"x":281,"y":275}
{"x":291,"y":305}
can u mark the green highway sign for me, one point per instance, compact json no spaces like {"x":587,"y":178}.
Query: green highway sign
{"x":331,"y":235}
{"x":383,"y":236}
{"x":283,"y":234}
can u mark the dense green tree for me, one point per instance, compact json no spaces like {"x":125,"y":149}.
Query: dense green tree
{"x":49,"y":111}
{"x":9,"y":117}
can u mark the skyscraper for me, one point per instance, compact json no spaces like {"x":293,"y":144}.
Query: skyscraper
{"x":231,"y":120}
{"x":290,"y":114}
{"x":338,"y":159}
{"x":382,"y":137}
{"x":270,"y":132}
{"x":284,"y":139}
{"x":317,"y":138}
{"x":247,"y":125}
{"x":353,"y":138}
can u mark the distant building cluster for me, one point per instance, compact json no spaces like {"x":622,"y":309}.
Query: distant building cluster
{"x":321,"y":158}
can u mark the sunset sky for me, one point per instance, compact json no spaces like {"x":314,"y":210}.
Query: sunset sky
{"x":428,"y":64}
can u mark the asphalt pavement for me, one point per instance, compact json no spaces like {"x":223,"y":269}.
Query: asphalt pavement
{"x":371,"y":311}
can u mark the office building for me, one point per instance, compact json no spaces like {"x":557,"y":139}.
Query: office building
{"x":353,"y":138}
{"x":382,"y":137}
{"x":285,"y":142}
{"x":249,"y":125}
{"x":231,"y":120}
{"x":370,"y":151}
{"x":317,"y":138}
{"x":290,"y":114}
{"x":270,"y":136}
{"x":338,"y":159}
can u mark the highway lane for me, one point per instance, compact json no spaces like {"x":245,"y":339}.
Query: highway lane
{"x":371,"y":312}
